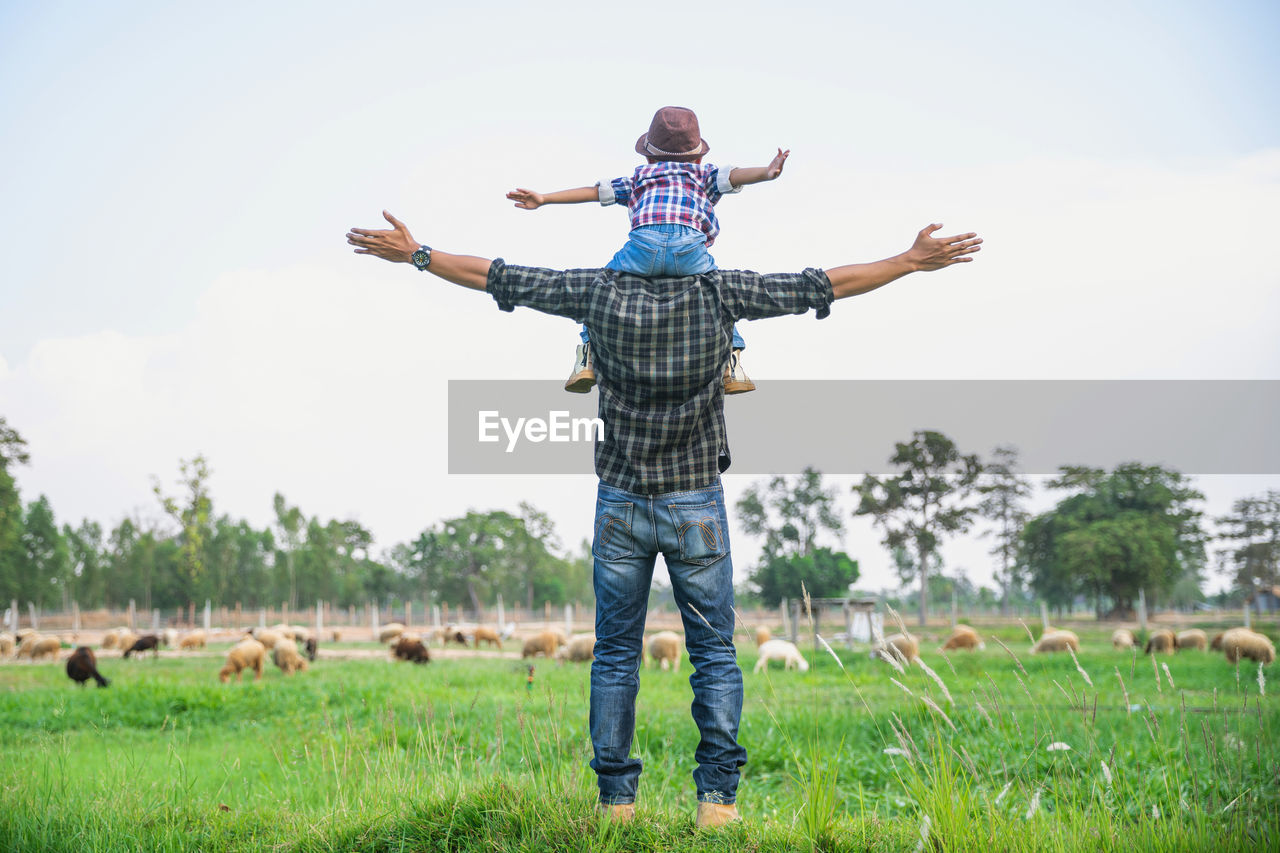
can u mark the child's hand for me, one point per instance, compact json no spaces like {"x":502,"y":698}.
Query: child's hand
{"x":526,"y":199}
{"x":774,"y":169}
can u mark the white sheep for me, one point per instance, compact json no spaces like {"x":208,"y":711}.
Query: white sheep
{"x":581,"y":648}
{"x":784,"y":651}
{"x":664,"y":647}
{"x":1122,"y":638}
{"x":390,"y":631}
{"x":285,"y":655}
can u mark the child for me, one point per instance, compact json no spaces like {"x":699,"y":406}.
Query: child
{"x":672,"y":221}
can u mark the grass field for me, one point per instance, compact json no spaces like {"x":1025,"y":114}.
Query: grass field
{"x":461,"y":755}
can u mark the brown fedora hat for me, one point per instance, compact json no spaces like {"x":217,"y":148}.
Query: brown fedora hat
{"x":673,"y":135}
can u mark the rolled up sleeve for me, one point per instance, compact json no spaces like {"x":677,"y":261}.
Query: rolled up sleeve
{"x":562,"y":293}
{"x":753,"y":296}
{"x":617,"y":191}
{"x":720,"y":179}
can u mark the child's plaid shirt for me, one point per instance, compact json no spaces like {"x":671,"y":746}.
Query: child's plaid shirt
{"x":669,"y":193}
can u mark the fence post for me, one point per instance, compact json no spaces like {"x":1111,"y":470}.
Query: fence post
{"x":435,"y":616}
{"x":75,"y":616}
{"x":784,"y":607}
{"x":1044,"y":617}
{"x":13,"y":615}
{"x":444,"y":611}
{"x":1247,"y":620}
{"x":408,"y":613}
{"x":1142,"y":608}
{"x":502,"y":616}
{"x":848,"y":624}
{"x":955,"y":609}
{"x":133,"y":614}
{"x":373,"y":618}
{"x":208,"y":614}
{"x":568,"y":619}
{"x":319,"y":617}
{"x":262,"y":617}
{"x":546,"y":613}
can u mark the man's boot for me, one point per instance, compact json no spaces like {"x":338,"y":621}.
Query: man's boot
{"x":735,"y":378}
{"x":583,"y":378}
{"x":715,"y":815}
{"x":618,"y":812}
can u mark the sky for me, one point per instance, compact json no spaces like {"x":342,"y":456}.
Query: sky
{"x":177,"y":179}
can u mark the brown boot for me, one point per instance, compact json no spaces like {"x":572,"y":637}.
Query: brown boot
{"x":735,"y":378}
{"x":716,"y":815}
{"x":618,"y":812}
{"x":583,"y":378}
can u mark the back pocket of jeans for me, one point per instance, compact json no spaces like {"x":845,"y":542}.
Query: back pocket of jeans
{"x":613,"y":538}
{"x":698,"y":529}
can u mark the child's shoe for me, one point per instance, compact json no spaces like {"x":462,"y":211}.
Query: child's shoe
{"x":583,"y":378}
{"x":715,"y":815}
{"x":735,"y":378}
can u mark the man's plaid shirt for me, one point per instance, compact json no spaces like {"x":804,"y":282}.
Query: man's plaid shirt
{"x":659,"y":347}
{"x":669,"y":193}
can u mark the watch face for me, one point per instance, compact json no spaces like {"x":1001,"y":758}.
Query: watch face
{"x":421,"y":258}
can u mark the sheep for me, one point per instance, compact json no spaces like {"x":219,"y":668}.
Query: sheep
{"x":111,"y":639}
{"x":300,"y":633}
{"x":169,"y":636}
{"x":82,"y":665}
{"x":1056,"y":641}
{"x":1215,"y":645}
{"x":192,"y":640}
{"x":26,"y":645}
{"x":337,"y":636}
{"x":455,"y":635}
{"x":664,"y":647}
{"x":267,"y":636}
{"x":763,"y":635}
{"x":1193,"y":638}
{"x":45,"y":646}
{"x":125,"y":638}
{"x":6,"y":645}
{"x":310,"y":648}
{"x":906,"y":645}
{"x":1243,"y":643}
{"x":545,"y":643}
{"x":247,"y":654}
{"x":580,"y":648}
{"x":1122,"y":638}
{"x":145,"y":643}
{"x":283,"y":630}
{"x":783,"y":651}
{"x":1162,"y":640}
{"x":963,"y":637}
{"x":489,"y":635}
{"x":285,"y":655}
{"x":390,"y":631}
{"x":411,"y":650}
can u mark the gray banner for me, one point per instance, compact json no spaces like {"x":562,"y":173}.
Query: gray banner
{"x":850,"y":427}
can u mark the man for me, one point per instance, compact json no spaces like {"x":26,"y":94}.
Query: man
{"x":661,"y":346}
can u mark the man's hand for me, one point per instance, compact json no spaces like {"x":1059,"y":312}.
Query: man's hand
{"x":526,"y":199}
{"x":396,"y":245}
{"x":774,"y":169}
{"x":930,"y":253}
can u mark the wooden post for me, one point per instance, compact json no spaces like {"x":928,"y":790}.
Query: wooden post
{"x":319,"y":617}
{"x":262,"y":617}
{"x":546,"y":613}
{"x":502,"y":617}
{"x":435,"y":616}
{"x":351,"y":615}
{"x":75,"y":616}
{"x":786,"y":617}
{"x":208,"y":615}
{"x":955,"y":608}
{"x":568,"y":619}
{"x":795,"y":621}
{"x":1247,"y":620}
{"x":1142,"y":608}
{"x":848,"y":624}
{"x":133,"y":614}
{"x":1044,"y":616}
{"x":408,"y":613}
{"x":444,"y":612}
{"x":239,"y":620}
{"x":373,"y":618}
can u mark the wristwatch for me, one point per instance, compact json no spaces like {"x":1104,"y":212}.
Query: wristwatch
{"x":422,"y":257}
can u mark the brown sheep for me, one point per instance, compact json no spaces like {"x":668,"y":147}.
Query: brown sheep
{"x":6,"y":645}
{"x":664,"y":647}
{"x":337,"y":636}
{"x":390,"y":631}
{"x":489,"y":635}
{"x":111,"y":639}
{"x":1243,"y":643}
{"x":247,"y":654}
{"x":1122,"y":638}
{"x":581,"y":648}
{"x":545,"y":643}
{"x":285,"y":655}
{"x":1192,"y":638}
{"x":763,"y":635}
{"x":145,"y":643}
{"x":82,"y":665}
{"x":1215,"y":645}
{"x":311,"y":647}
{"x":963,"y":637}
{"x":192,"y":640}
{"x":411,"y":650}
{"x":904,"y":643}
{"x":1161,"y":641}
{"x":50,"y":646}
{"x":267,"y":637}
{"x":1056,"y":641}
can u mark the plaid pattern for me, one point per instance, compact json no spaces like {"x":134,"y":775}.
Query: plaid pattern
{"x":668,"y":193}
{"x":659,"y":347}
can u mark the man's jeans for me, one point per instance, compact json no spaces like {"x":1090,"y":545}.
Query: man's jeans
{"x":690,"y":529}
{"x":673,"y":250}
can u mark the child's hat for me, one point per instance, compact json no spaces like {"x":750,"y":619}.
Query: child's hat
{"x":673,"y":135}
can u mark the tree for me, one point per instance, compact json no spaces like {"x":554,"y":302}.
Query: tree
{"x":1004,"y":495}
{"x":790,"y":513}
{"x":924,"y":501}
{"x":88,"y":563}
{"x":1135,"y":528}
{"x":289,"y":524}
{"x":1254,"y":527}
{"x":824,"y":573}
{"x":46,"y":562}
{"x":12,"y":453}
{"x":193,"y":514}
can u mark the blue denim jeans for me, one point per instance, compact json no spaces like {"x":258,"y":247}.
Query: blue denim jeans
{"x":675,"y":250}
{"x":690,"y":530}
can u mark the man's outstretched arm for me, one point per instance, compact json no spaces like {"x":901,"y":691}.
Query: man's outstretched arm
{"x":397,"y":245}
{"x":926,"y":254}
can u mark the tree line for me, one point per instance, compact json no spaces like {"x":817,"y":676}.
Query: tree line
{"x":192,"y":553}
{"x":1112,"y":534}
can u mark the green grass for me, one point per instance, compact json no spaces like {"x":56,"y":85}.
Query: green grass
{"x":460,"y":755}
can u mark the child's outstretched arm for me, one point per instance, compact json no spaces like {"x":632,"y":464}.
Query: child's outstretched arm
{"x":759,"y":174}
{"x":530,"y":200}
